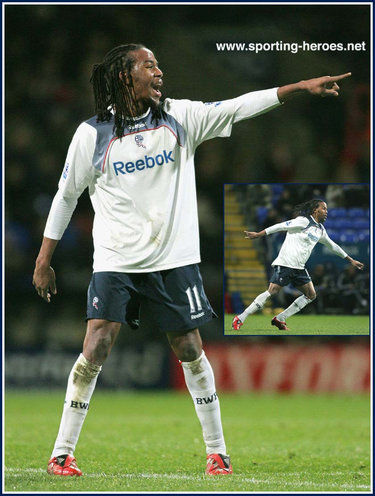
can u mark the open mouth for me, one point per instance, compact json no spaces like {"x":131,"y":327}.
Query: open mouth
{"x":156,"y":89}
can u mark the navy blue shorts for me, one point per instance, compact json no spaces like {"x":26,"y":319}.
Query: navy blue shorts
{"x":174,"y":298}
{"x":285,"y":275}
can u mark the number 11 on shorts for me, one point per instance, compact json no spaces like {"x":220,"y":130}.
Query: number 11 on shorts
{"x":192,"y":294}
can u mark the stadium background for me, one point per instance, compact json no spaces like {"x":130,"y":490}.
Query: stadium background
{"x":49,"y":52}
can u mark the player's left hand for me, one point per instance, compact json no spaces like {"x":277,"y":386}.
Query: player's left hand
{"x":325,"y":85}
{"x":44,"y":282}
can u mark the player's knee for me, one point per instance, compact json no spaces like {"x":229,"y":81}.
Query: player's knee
{"x":98,"y":349}
{"x":98,"y":342}
{"x":311,"y":296}
{"x":187,"y":347}
{"x":188,"y":352}
{"x":103,"y":343}
{"x":273,"y":289}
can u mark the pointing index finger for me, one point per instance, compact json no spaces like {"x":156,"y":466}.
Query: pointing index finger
{"x":341,"y":76}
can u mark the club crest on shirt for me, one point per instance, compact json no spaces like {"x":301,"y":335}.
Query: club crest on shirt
{"x":95,"y":302}
{"x":139,"y":140}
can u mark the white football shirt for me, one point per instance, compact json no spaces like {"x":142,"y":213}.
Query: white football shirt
{"x":142,"y":186}
{"x":302,"y":235}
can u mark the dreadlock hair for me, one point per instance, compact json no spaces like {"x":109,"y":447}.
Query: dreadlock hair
{"x":307,"y":208}
{"x":111,"y":92}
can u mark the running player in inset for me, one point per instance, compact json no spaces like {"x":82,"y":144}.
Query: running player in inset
{"x":136,"y":157}
{"x":303,"y":233}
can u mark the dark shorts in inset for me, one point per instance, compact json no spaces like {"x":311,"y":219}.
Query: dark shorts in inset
{"x":285,"y":275}
{"x":174,"y":298}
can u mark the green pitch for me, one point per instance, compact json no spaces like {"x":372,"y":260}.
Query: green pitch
{"x":324,"y":325}
{"x":152,"y":442}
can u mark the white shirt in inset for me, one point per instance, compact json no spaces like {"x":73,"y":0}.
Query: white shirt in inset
{"x":303,"y":234}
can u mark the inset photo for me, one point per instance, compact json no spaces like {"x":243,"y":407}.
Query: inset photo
{"x":296,"y":259}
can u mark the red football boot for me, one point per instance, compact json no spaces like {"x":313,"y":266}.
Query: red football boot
{"x":236,"y":323}
{"x":279,"y":324}
{"x":63,"y":465}
{"x":218,"y":465}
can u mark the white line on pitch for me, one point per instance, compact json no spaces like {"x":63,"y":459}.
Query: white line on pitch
{"x":18,"y":472}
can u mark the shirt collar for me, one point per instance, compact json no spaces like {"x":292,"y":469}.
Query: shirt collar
{"x":133,"y":118}
{"x":317,"y":223}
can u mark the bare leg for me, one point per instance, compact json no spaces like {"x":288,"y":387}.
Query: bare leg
{"x":308,"y":290}
{"x":187,"y":346}
{"x":308,"y":296}
{"x":99,"y":339}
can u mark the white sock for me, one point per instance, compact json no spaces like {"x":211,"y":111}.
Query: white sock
{"x":295,"y":307}
{"x":200,"y":382}
{"x":81,"y":385}
{"x":255,"y":306}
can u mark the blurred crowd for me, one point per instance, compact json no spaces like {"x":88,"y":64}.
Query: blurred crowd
{"x":344,"y":292}
{"x":268,"y":204}
{"x":49,"y":55}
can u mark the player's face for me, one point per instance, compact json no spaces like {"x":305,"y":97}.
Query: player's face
{"x":321,"y":212}
{"x":146,"y":78}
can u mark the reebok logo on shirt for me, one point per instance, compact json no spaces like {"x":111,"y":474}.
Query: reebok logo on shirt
{"x":145,"y":163}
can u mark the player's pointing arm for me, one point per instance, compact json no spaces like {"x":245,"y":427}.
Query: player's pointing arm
{"x":321,"y":86}
{"x":211,"y":121}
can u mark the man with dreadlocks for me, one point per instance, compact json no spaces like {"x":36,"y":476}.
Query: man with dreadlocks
{"x":303,"y":233}
{"x":136,"y":156}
